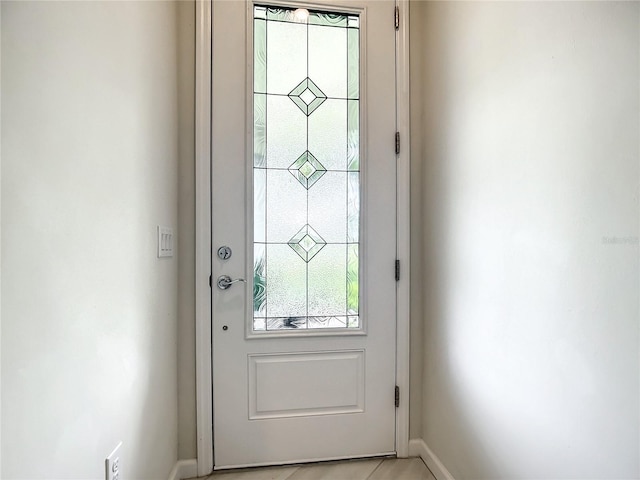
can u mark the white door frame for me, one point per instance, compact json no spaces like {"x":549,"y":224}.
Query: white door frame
{"x":204,"y":397}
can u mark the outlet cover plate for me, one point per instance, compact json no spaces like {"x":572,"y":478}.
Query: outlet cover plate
{"x":112,"y":465}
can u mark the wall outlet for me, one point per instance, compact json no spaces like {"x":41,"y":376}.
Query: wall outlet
{"x":112,"y":465}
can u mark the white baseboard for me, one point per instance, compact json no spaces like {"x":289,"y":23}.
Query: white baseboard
{"x":417,"y":448}
{"x":184,"y":469}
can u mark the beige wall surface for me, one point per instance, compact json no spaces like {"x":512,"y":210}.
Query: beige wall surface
{"x":186,"y":228}
{"x":416,"y":60}
{"x":89,"y":169}
{"x":531,"y":274}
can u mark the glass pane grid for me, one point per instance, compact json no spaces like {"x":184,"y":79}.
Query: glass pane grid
{"x":306,"y":170}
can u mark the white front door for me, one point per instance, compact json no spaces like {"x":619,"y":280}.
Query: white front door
{"x":304,"y":196}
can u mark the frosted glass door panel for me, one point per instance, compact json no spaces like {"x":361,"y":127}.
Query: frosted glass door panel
{"x":306,"y":170}
{"x":328,"y":59}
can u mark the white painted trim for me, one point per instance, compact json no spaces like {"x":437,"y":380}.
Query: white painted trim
{"x":403,"y":232}
{"x":0,"y":253}
{"x":184,"y":469}
{"x":417,"y":448}
{"x":204,"y":398}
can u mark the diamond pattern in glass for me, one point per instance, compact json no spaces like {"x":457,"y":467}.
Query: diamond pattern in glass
{"x":307,"y":96}
{"x":307,"y":170}
{"x":307,"y":243}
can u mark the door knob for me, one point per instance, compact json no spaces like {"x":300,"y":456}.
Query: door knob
{"x":225,"y":281}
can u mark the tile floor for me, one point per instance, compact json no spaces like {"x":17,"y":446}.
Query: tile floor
{"x":369,"y":469}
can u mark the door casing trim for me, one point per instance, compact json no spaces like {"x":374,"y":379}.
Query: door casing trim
{"x":204,"y":396}
{"x":403,"y":232}
{"x":203,"y":247}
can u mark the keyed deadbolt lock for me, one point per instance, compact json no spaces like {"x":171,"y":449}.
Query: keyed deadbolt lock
{"x":224,"y":253}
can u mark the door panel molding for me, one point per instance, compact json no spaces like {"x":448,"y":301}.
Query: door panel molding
{"x":204,"y":398}
{"x":335,"y":385}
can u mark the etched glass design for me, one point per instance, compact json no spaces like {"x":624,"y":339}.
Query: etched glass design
{"x":306,"y":169}
{"x":307,"y":96}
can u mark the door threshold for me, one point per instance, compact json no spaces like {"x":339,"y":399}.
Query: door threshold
{"x":300,"y":463}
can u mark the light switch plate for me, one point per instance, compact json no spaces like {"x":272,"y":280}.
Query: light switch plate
{"x":165,"y":241}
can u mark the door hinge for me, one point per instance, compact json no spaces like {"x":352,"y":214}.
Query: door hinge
{"x":397,"y":397}
{"x":397,"y":143}
{"x":397,"y":270}
{"x":397,"y":18}
{"x":209,"y":281}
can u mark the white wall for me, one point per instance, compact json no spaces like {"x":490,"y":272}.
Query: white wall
{"x":531,"y":168}
{"x":89,"y":168}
